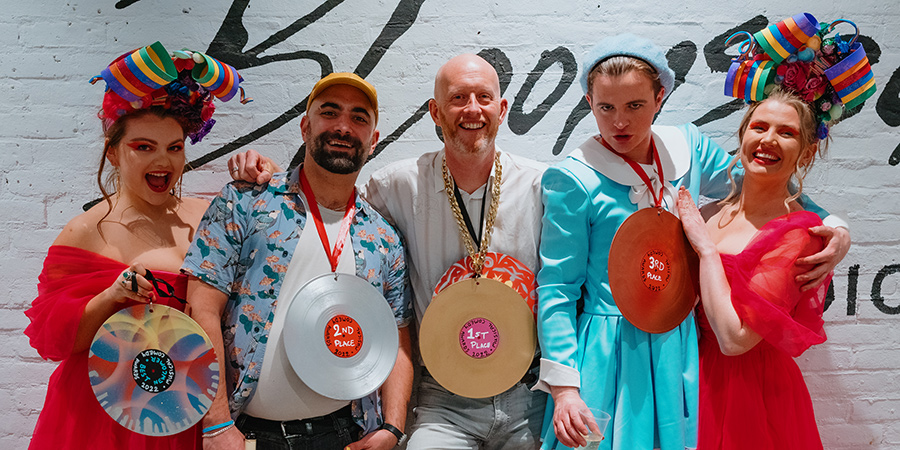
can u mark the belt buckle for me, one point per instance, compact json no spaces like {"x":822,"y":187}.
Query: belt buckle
{"x":308,"y":426}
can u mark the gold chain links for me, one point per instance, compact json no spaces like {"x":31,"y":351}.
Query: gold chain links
{"x":477,"y":257}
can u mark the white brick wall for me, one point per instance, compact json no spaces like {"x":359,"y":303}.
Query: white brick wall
{"x":50,"y":141}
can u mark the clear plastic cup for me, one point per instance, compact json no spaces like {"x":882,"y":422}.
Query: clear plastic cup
{"x":596,"y":421}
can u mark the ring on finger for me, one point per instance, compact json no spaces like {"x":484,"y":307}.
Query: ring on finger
{"x":127,"y":276}
{"x":234,"y":169}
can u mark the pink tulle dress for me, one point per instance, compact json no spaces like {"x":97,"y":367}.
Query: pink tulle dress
{"x":72,"y":417}
{"x":758,"y":400}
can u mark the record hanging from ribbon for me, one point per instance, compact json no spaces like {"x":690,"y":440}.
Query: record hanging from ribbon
{"x":153,"y":369}
{"x":478,"y":337}
{"x":497,"y":266}
{"x":340,"y":336}
{"x":653,"y":271}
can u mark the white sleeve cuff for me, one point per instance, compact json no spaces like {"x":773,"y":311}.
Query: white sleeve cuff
{"x":834,"y":221}
{"x":556,"y":374}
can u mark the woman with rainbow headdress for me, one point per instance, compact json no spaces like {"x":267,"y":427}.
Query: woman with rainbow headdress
{"x":753,"y":316}
{"x":98,"y":264}
{"x":646,"y":381}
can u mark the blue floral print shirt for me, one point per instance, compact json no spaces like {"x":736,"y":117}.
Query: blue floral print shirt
{"x":243,"y":247}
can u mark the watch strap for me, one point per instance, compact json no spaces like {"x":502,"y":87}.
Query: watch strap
{"x":395,"y":431}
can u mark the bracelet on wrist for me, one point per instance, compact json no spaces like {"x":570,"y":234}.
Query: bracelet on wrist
{"x":216,"y":427}
{"x":219,"y":431}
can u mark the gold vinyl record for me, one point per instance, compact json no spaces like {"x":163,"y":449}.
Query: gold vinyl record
{"x":478,"y":338}
{"x":653,"y":271}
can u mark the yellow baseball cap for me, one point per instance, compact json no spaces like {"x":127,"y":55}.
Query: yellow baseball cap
{"x":350,"y":79}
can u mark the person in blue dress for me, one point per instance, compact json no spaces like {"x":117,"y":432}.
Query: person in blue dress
{"x":647,"y":382}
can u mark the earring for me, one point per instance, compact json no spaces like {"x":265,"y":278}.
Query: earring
{"x":176,"y":190}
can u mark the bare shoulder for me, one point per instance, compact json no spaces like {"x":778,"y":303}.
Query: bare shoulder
{"x":82,"y":231}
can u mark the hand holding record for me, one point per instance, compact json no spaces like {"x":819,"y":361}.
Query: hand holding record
{"x":692,"y":221}
{"x":132,"y":285}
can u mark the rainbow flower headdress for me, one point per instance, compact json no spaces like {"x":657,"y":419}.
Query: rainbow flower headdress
{"x":184,"y":81}
{"x":829,"y":73}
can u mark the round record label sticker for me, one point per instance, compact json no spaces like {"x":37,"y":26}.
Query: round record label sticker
{"x":479,"y":338}
{"x":655,"y":270}
{"x":153,"y":370}
{"x":343,"y":336}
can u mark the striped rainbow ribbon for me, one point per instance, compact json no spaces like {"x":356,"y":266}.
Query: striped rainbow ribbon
{"x":141,"y":72}
{"x":852,"y":78}
{"x":784,"y":38}
{"x":747,"y":79}
{"x":219,"y":78}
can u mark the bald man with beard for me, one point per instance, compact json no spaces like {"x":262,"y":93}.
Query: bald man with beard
{"x":469,"y":109}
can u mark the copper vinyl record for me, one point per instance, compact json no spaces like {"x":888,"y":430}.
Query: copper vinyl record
{"x":653,"y":271}
{"x":340,"y":336}
{"x":478,"y":338}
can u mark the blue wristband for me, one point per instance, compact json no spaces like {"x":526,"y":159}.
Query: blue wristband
{"x":216,"y":427}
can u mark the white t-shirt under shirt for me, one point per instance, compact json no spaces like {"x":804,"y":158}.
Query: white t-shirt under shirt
{"x":280,"y":394}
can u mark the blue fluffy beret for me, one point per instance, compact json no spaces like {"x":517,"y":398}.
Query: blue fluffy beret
{"x":629,"y":45}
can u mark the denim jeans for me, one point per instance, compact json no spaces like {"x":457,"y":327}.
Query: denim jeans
{"x":335,"y":435}
{"x":445,"y":421}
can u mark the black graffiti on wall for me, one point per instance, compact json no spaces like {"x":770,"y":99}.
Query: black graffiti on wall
{"x":232,"y":38}
{"x":878,"y":300}
{"x":231,"y":41}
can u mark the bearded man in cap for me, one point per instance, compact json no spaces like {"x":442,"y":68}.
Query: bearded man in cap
{"x":244,"y":276}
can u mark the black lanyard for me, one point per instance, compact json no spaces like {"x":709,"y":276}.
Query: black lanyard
{"x":465,"y":214}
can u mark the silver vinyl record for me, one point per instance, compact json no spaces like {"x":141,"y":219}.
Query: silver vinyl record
{"x":340,"y":336}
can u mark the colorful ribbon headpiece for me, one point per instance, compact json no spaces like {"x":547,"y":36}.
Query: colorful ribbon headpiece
{"x":184,"y":80}
{"x":219,"y":78}
{"x":851,"y":77}
{"x":785,"y":38}
{"x":830,"y":74}
{"x":747,"y":77}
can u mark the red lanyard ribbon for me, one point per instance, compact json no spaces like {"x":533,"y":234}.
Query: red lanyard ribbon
{"x":640,"y":170}
{"x":333,"y":256}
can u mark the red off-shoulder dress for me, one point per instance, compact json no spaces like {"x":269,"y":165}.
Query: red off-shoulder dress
{"x":72,"y":418}
{"x":758,"y":400}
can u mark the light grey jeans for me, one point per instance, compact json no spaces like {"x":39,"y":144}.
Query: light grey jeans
{"x":446,"y":421}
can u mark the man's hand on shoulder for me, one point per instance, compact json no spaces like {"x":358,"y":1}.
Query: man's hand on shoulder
{"x":252,"y":167}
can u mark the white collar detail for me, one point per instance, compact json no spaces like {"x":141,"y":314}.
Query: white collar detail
{"x":674,"y":157}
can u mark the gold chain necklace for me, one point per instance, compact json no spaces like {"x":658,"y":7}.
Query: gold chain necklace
{"x":477,"y":256}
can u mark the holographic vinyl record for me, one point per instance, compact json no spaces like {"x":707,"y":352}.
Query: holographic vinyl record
{"x":153,"y":370}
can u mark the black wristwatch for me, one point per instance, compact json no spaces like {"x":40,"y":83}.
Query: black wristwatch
{"x":401,"y":438}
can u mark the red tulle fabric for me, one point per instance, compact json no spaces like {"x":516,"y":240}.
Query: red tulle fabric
{"x":72,"y":417}
{"x":758,"y":400}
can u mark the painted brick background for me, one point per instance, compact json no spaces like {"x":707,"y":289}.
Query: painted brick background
{"x":51,"y":141}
